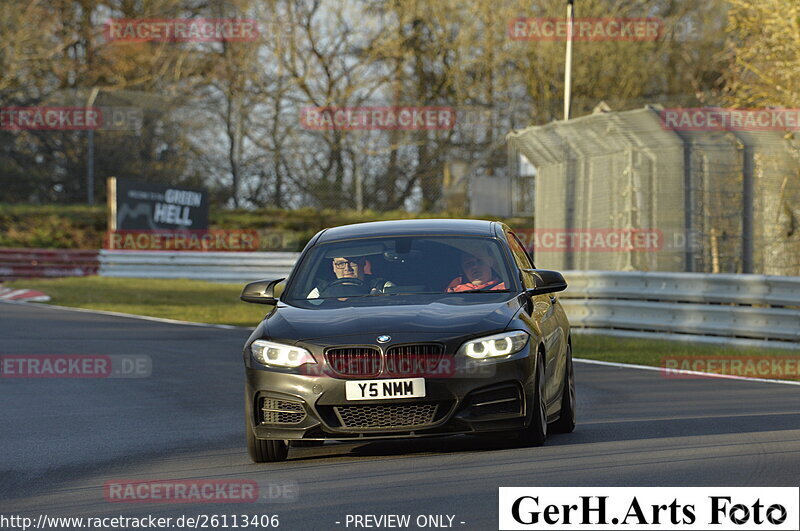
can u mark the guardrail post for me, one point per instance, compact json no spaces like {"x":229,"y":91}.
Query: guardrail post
{"x":747,"y":210}
{"x":688,"y":198}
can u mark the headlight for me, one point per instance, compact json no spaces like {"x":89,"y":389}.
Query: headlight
{"x":495,"y":346}
{"x":278,"y":355}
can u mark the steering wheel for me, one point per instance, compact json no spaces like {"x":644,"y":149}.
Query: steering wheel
{"x":351,"y":285}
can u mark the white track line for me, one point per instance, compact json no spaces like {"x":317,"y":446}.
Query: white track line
{"x":134,"y":316}
{"x":692,"y":373}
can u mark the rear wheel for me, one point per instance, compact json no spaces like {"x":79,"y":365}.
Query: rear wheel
{"x":536,"y":433}
{"x":566,"y":421}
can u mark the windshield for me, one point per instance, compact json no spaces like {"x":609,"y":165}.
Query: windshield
{"x":406,"y":265}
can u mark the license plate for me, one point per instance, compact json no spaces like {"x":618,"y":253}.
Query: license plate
{"x":385,"y":389}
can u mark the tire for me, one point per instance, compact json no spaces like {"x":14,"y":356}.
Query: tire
{"x":536,"y":433}
{"x":566,"y":420}
{"x":263,"y":450}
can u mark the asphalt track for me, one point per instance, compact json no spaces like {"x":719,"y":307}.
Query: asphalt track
{"x":62,"y":439}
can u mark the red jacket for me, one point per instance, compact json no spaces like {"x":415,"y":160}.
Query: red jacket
{"x":459,"y":285}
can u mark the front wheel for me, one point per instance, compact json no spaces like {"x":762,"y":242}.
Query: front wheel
{"x":263,"y":450}
{"x":536,"y":433}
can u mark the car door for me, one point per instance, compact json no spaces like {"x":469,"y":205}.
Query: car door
{"x":544,"y":311}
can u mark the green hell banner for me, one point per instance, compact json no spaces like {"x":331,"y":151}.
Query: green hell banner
{"x":135,"y":205}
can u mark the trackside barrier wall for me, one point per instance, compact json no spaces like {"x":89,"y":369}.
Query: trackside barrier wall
{"x":46,"y":263}
{"x":212,"y":266}
{"x":712,"y":308}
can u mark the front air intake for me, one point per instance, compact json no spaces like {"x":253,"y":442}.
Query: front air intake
{"x":377,"y":416}
{"x":278,"y":411}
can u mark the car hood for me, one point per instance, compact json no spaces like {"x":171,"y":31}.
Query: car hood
{"x":449,"y":315}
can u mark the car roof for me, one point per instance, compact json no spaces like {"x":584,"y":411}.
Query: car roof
{"x":454,"y":227}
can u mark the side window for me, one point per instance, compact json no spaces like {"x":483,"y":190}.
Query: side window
{"x":522,"y":259}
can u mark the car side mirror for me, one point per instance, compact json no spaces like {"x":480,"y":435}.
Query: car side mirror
{"x":261,"y":291}
{"x":546,"y":282}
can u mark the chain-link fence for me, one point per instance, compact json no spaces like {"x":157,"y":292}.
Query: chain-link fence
{"x":625,"y":191}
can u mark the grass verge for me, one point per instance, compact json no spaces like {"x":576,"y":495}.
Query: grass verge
{"x":719,"y":359}
{"x":186,"y":300}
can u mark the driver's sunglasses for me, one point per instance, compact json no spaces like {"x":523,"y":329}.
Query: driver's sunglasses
{"x":343,"y":263}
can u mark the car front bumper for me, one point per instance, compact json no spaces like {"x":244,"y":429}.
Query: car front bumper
{"x":494,"y":396}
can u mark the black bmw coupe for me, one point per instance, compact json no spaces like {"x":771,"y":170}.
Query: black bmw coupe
{"x":402,"y":329}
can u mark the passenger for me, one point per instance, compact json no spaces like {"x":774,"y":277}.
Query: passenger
{"x":354,"y":267}
{"x":478,"y":273}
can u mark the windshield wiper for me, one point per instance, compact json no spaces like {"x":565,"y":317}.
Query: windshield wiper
{"x":378,"y":294}
{"x":483,"y":291}
{"x":406,"y":293}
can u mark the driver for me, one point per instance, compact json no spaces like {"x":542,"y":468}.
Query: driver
{"x":477,"y":273}
{"x":357,"y":268}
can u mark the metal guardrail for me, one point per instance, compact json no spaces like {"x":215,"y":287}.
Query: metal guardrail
{"x":213,"y":266}
{"x":46,"y":263}
{"x":755,"y":309}
{"x":712,"y":308}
